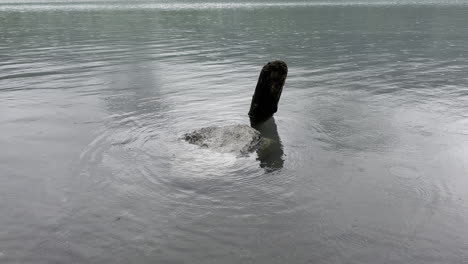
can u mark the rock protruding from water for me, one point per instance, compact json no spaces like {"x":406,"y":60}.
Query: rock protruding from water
{"x":268,"y":90}
{"x":226,"y":139}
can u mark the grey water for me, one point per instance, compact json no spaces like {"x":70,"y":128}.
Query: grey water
{"x":370,"y":155}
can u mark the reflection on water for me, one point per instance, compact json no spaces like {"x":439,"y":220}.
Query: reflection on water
{"x":366,"y":159}
{"x":271,"y":154}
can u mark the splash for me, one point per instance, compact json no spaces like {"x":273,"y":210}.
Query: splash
{"x":241,"y":139}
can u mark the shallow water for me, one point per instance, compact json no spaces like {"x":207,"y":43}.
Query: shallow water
{"x":369,"y":164}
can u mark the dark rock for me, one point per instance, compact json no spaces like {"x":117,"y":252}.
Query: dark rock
{"x":268,"y":90}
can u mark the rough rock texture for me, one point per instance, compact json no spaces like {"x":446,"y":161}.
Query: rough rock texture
{"x":268,"y":91}
{"x":227,"y":139}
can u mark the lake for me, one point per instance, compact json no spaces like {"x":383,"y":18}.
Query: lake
{"x":370,"y":159}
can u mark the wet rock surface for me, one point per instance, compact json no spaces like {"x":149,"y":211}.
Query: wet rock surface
{"x":241,"y":139}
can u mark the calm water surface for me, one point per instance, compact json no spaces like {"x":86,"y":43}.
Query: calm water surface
{"x":371,"y":159}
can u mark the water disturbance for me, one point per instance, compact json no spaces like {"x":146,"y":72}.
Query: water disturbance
{"x":367,"y":161}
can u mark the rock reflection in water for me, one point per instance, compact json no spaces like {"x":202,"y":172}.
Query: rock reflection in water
{"x":271,"y":154}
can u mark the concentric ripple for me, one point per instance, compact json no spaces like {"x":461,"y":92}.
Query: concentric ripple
{"x":366,"y":160}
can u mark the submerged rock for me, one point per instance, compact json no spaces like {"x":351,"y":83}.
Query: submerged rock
{"x":226,"y":139}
